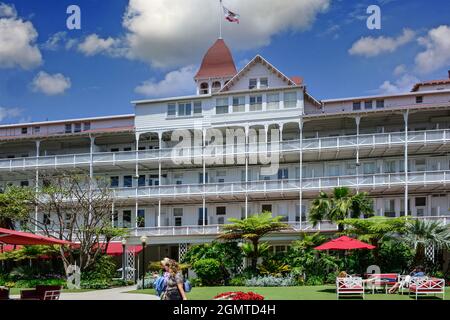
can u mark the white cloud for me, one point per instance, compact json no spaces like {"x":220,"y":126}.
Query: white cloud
{"x":93,"y":45}
{"x":174,"y":33}
{"x":55,"y":41}
{"x":176,"y":82}
{"x":8,"y":113}
{"x":399,"y":70}
{"x":401,"y":85}
{"x":7,"y":11}
{"x":371,"y":47}
{"x":437,"y":53}
{"x":17,"y":41}
{"x":50,"y":84}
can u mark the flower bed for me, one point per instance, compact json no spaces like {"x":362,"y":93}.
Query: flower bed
{"x":239,"y":295}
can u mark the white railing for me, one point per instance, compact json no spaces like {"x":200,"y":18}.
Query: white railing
{"x":309,"y":145}
{"x":265,"y":186}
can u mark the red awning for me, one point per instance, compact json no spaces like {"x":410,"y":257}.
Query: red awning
{"x":8,"y":236}
{"x":115,"y":249}
{"x":344,"y":243}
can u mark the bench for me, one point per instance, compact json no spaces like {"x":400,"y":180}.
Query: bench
{"x":425,"y":286}
{"x":382,"y":280}
{"x":349,"y":286}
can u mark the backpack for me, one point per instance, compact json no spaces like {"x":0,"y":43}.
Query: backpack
{"x":160,"y":285}
{"x":187,"y":285}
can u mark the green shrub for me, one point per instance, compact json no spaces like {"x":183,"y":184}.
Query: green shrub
{"x":314,"y":281}
{"x":103,"y":269}
{"x":35,"y":282}
{"x":208,"y":271}
{"x":154,"y":266}
{"x":237,"y":282}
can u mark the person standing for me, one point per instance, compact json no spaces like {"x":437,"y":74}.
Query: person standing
{"x":175,"y":283}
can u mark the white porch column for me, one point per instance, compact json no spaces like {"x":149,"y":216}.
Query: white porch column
{"x":38,"y":148}
{"x":246,"y":169}
{"x":357,"y":121}
{"x":300,"y":127}
{"x":91,"y":163}
{"x":204,"y":177}
{"x":137,"y":154}
{"x":266,"y":129}
{"x":405,"y":118}
{"x":113,"y":208}
{"x":159,"y":176}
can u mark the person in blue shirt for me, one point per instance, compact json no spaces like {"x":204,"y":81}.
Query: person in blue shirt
{"x":417,"y":272}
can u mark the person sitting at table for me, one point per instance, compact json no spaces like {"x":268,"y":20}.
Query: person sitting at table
{"x":417,"y":272}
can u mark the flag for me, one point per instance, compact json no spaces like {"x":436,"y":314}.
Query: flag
{"x":231,"y":16}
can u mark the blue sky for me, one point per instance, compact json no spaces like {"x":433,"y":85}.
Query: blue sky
{"x":58,"y":73}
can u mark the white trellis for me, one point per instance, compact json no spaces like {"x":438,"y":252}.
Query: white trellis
{"x":130,"y":263}
{"x":182,"y":250}
{"x":429,"y":253}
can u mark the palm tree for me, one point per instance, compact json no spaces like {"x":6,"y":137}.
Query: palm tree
{"x":253,"y":229}
{"x":421,"y":234}
{"x":339,"y":206}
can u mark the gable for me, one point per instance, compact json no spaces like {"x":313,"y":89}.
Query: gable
{"x":256,"y":69}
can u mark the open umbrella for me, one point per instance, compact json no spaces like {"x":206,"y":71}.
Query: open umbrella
{"x":8,"y":236}
{"x":344,"y":243}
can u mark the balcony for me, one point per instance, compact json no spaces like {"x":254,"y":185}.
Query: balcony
{"x":326,"y":147}
{"x":374,"y":183}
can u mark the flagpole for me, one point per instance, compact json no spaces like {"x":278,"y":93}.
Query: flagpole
{"x":220,"y":18}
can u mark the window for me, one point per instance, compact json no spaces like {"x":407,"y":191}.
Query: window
{"x":222,"y":106}
{"x":419,"y":99}
{"x":369,"y":168}
{"x":389,"y":208}
{"x":239,"y":104}
{"x":141,"y":218}
{"x":114,"y":182}
{"x":77,"y":127}
{"x":36,"y":130}
{"x":380,"y":104}
{"x":178,"y":217}
{"x":198,"y":107}
{"x":266,"y":208}
{"x":356,"y":106}
{"x":141,"y":181}
{"x":252,"y":83}
{"x":273,"y":101}
{"x":178,"y":177}
{"x":202,"y":218}
{"x":127,"y":181}
{"x":115,"y":217}
{"x":421,"y":202}
{"x":242,"y":213}
{"x":215,"y":86}
{"x":87,"y":126}
{"x":114,"y":149}
{"x":290,"y":99}
{"x":220,"y":220}
{"x":184,"y":109}
{"x":263,"y":83}
{"x":255,"y":103}
{"x":171,"y":110}
{"x":200,"y":177}
{"x":141,"y":148}
{"x":389,"y":166}
{"x":204,"y":88}
{"x":24,"y":183}
{"x":368,"y":105}
{"x":126,"y":218}
{"x":24,"y":130}
{"x":283,"y":174}
{"x":221,"y":211}
{"x":127,"y":149}
{"x":334,"y":170}
{"x":421,"y":164}
{"x":153,"y":180}
{"x":68,"y":128}
{"x":46,"y":219}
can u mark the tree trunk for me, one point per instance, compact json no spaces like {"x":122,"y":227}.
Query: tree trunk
{"x":255,"y":255}
{"x":419,"y":257}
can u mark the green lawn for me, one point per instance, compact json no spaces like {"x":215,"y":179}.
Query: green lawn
{"x":16,"y":291}
{"x":289,"y":293}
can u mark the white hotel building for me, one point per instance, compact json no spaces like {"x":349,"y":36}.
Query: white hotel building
{"x":396,"y":147}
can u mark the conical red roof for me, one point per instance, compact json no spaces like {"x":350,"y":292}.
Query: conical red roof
{"x":217,"y":62}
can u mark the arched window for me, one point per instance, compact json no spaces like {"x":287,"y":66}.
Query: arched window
{"x":204,"y":88}
{"x":216,"y":86}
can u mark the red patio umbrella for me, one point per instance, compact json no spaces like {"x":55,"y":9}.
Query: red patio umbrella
{"x":8,"y":236}
{"x":344,"y":243}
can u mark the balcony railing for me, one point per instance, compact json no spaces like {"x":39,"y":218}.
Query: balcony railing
{"x":309,"y":145}
{"x":266,"y":186}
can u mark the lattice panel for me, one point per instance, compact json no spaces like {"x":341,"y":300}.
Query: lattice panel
{"x":429,"y":253}
{"x":130,"y":267}
{"x":182,"y":250}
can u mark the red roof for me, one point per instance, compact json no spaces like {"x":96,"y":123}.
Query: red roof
{"x":344,"y":243}
{"x":116,"y":249}
{"x":8,"y":236}
{"x":297,"y":80}
{"x":217,"y":62}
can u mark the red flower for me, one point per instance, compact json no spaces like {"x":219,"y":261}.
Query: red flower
{"x":239,"y":295}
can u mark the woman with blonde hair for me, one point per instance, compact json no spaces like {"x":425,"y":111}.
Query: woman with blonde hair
{"x":175,"y":283}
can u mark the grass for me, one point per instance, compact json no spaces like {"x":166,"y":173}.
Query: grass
{"x":325,"y":292}
{"x":16,"y":291}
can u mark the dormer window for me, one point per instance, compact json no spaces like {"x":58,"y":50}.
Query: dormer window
{"x":184,"y":109}
{"x":290,"y":99}
{"x":216,"y":86}
{"x":204,"y":88}
{"x":263,"y":83}
{"x":252,"y":83}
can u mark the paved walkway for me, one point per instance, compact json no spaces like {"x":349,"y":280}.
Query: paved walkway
{"x":108,"y":294}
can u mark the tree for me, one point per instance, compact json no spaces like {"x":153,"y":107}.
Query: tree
{"x":339,"y":206}
{"x":76,"y":208}
{"x":14,"y":206}
{"x":253,"y":229}
{"x":374,"y":230}
{"x":421,"y":234}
